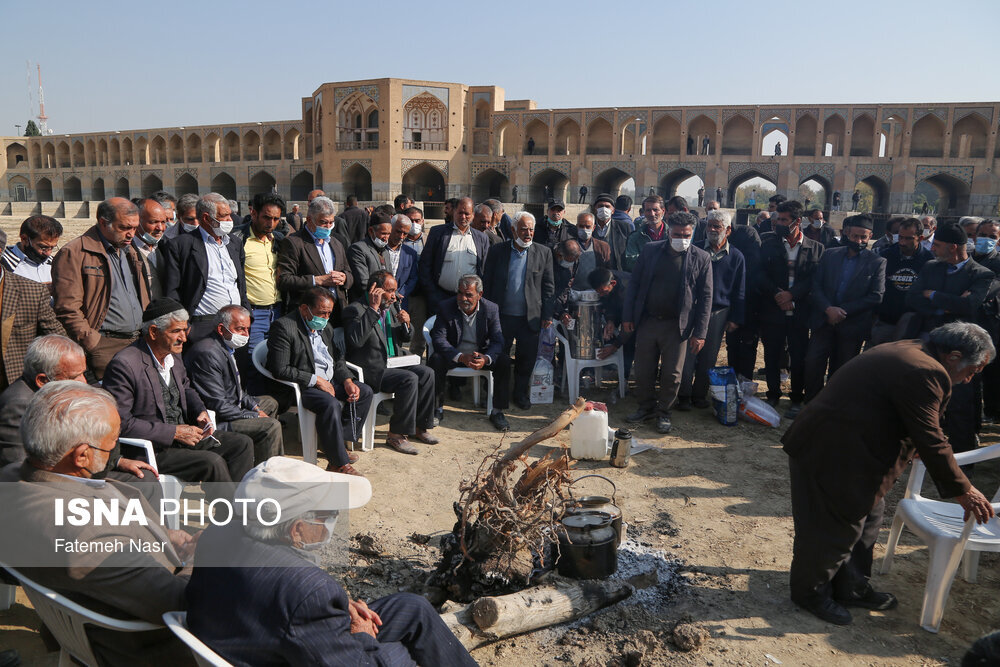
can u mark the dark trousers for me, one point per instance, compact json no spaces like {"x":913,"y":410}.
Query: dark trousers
{"x":658,"y":342}
{"x":991,"y":389}
{"x":333,"y":418}
{"x":962,"y":417}
{"x":793,"y":332}
{"x":501,"y":378}
{"x":516,"y":328}
{"x":99,"y":357}
{"x":833,"y":345}
{"x":208,"y":461}
{"x":413,"y":398}
{"x":264,"y":431}
{"x":694,"y":382}
{"x":741,"y":347}
{"x":831,"y":554}
{"x":411,"y":624}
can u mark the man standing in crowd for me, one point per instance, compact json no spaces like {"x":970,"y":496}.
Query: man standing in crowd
{"x":930,"y":227}
{"x":152,"y":227}
{"x":903,"y":261}
{"x":556,"y":228}
{"x":653,"y":230}
{"x":890,"y":236}
{"x":668,"y":323}
{"x":452,"y":251}
{"x":99,"y":286}
{"x":369,"y":254}
{"x":31,"y":257}
{"x":415,"y":237}
{"x":187,"y":217}
{"x":356,"y":220}
{"x":483,"y":221}
{"x":293,"y":219}
{"x":260,"y":250}
{"x":612,"y":231}
{"x":816,"y":229}
{"x":594,"y":253}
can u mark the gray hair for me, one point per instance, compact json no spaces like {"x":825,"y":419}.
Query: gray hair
{"x":485,"y":209}
{"x":62,"y":415}
{"x":763,"y":215}
{"x":320,"y":206}
{"x":970,"y":339}
{"x":969,"y":219}
{"x":186,"y":203}
{"x":520,"y":215}
{"x":721,"y":216}
{"x":471,"y":279}
{"x":163,"y":321}
{"x":45,"y":355}
{"x":399,"y":217}
{"x":276,"y":534}
{"x":210,"y":204}
{"x":495,"y":205}
{"x":227,"y":313}
{"x":928,"y":219}
{"x":586,"y":214}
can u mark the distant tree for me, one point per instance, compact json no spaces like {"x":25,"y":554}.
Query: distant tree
{"x":31,"y":130}
{"x":764,"y":192}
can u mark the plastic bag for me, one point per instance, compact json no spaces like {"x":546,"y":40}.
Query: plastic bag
{"x":542,"y":375}
{"x":547,"y":343}
{"x":759,"y":412}
{"x":724,"y":387}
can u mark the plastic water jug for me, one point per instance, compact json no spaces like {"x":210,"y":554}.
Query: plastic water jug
{"x":589,"y":435}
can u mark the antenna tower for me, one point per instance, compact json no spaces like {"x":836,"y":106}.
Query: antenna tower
{"x":42,"y":118}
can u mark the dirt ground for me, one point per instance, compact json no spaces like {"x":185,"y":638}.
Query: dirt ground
{"x":713,"y":499}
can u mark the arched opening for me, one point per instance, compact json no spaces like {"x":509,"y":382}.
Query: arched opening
{"x":507,"y":139}
{"x":425,"y":123}
{"x":355,"y":130}
{"x":122,"y":188}
{"x":891,"y":137}
{"x":50,"y":157}
{"x":72,"y":190}
{"x":102,"y":153}
{"x":424,"y":183}
{"x":63,"y":152}
{"x":702,"y":130}
{"x":90,"y":157}
{"x":225,"y":185}
{"x":43,"y":190}
{"x":19,"y":188}
{"x":213,"y":148}
{"x":610,"y":182}
{"x":953,"y":194}
{"x":751,"y":186}
{"x":17,"y":155}
{"x":158,"y":150}
{"x":536,"y":133}
{"x":251,"y":146}
{"x":775,"y":142}
{"x":231,"y":148}
{"x":874,"y":195}
{"x":490,"y":184}
{"x":667,"y":137}
{"x":272,"y":145}
{"x":834,"y":131}
{"x":927,"y":137}
{"x":36,"y":155}
{"x":548,"y":184}
{"x":357,"y":182}
{"x":261,"y":182}
{"x":599,"y":135}
{"x":968,"y":137}
{"x":629,"y":133}
{"x":627,"y":188}
{"x":97,"y":190}
{"x":482,"y":118}
{"x":815,"y":190}
{"x":151,"y":183}
{"x":141,"y":151}
{"x":680,"y":182}
{"x":79,"y":157}
{"x":292,"y":144}
{"x":737,"y":136}
{"x":318,"y":179}
{"x":302,"y":184}
{"x":115,"y":152}
{"x":176,"y":149}
{"x":186,"y":184}
{"x":128,"y":155}
{"x":193,"y":148}
{"x":567,"y":137}
{"x":863,"y":136}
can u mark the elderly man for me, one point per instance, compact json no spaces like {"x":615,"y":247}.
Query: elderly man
{"x":565,"y":268}
{"x":890,"y":236}
{"x":612,"y":231}
{"x":212,"y":368}
{"x":483,"y":221}
{"x":356,"y":220}
{"x":187,"y":217}
{"x":594,"y":253}
{"x":99,"y":286}
{"x":653,"y":230}
{"x":817,"y":229}
{"x":203,"y":269}
{"x":293,"y":220}
{"x":849,"y":446}
{"x":369,"y":254}
{"x":375,"y":329}
{"x":301,"y":349}
{"x":451,"y":251}
{"x":31,"y":257}
{"x":152,"y":227}
{"x":157,"y":403}
{"x":667,"y":322}
{"x":848,"y":287}
{"x":403,"y":262}
{"x":415,"y":238}
{"x":311,"y":257}
{"x":728,"y":308}
{"x":930,"y":227}
{"x":69,"y":433}
{"x":274,"y":604}
{"x":518,"y":278}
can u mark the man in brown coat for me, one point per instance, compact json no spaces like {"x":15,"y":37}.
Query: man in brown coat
{"x":100,"y":286}
{"x":849,"y":445}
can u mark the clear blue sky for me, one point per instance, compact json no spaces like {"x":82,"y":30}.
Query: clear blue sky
{"x":121,"y":65}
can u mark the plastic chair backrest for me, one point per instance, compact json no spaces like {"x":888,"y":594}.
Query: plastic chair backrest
{"x":428,"y":325}
{"x":203,"y":655}
{"x":260,"y":359}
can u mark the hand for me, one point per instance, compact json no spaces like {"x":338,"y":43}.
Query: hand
{"x":136,"y":467}
{"x":927,"y":293}
{"x":628,"y":327}
{"x":375,"y":295}
{"x":966,"y":294}
{"x":695,"y":345}
{"x":261,"y":413}
{"x":339,"y":277}
{"x":731,"y":327}
{"x":546,"y":324}
{"x":975,"y":504}
{"x":184,"y":544}
{"x":188,"y":435}
{"x":782,"y":298}
{"x":353,"y":390}
{"x":609,"y":331}
{"x":363,"y":619}
{"x":204,"y":420}
{"x":477,"y":362}
{"x":607,"y":351}
{"x":325,"y":280}
{"x":835,"y":315}
{"x":324,"y":385}
{"x":565,"y":319}
{"x":404,"y":317}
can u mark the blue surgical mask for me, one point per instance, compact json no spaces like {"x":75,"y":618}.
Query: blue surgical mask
{"x":322,"y":232}
{"x":985,"y":246}
{"x":316,"y":323}
{"x":149,"y":239}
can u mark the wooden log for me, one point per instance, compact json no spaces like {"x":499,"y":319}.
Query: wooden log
{"x":546,"y":432}
{"x":464,"y":628}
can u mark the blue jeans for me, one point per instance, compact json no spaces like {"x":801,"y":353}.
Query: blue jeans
{"x":261,"y":324}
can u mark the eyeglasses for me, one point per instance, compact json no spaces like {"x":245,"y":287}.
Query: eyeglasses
{"x":106,"y":451}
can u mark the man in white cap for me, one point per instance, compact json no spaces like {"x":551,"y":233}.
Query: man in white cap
{"x":252,"y":585}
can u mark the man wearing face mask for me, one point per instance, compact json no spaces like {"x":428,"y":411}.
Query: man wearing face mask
{"x":848,"y":287}
{"x":611,"y":230}
{"x":554,"y":228}
{"x":891,"y":235}
{"x":31,"y":257}
{"x":903,"y":261}
{"x":668,"y":305}
{"x":212,"y":369}
{"x":415,"y":238}
{"x":370,"y":254}
{"x":930,"y":227}
{"x":187,"y":217}
{"x":788,"y":264}
{"x":594,"y":253}
{"x":204,"y":269}
{"x":152,"y":226}
{"x":816,"y":228}
{"x":653,"y":230}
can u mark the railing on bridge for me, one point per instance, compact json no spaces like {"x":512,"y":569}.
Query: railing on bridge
{"x":425,"y":146}
{"x":357,"y":145}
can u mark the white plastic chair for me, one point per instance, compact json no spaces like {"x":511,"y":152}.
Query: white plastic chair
{"x":203,"y":655}
{"x":7,"y":596}
{"x":462,"y":372}
{"x":368,"y":430}
{"x":948,"y":537}
{"x":172,"y":486}
{"x":573,"y":367}
{"x":66,"y":620}
{"x":307,"y":418}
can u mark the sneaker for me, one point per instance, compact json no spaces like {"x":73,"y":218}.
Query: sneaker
{"x":683,"y":403}
{"x":793,"y":411}
{"x":641,"y":415}
{"x":663,"y":424}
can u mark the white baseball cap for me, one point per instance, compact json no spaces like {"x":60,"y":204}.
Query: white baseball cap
{"x":300,"y":487}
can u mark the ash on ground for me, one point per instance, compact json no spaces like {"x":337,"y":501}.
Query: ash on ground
{"x":655,"y":576}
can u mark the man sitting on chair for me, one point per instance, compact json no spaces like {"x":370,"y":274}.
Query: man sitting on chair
{"x":300,"y":349}
{"x":467,"y":335}
{"x":374,"y":330}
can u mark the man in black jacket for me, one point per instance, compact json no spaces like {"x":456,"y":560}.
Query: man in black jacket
{"x":356,"y":220}
{"x":375,"y":329}
{"x":369,"y":254}
{"x":518,"y":278}
{"x":819,"y":230}
{"x":451,"y":251}
{"x":555,"y":228}
{"x":611,"y":230}
{"x":903,"y":261}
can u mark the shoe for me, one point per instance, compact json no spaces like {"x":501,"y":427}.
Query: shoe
{"x":702,"y":403}
{"x":438,"y":416}
{"x":499,"y":421}
{"x":401,"y":445}
{"x":683,"y":403}
{"x":871,"y":599}
{"x":793,"y":411}
{"x":663,"y":424}
{"x":641,"y":415}
{"x":829,"y":611}
{"x":346,"y":469}
{"x":353,"y":457}
{"x":426,"y":438}
{"x":522,"y":403}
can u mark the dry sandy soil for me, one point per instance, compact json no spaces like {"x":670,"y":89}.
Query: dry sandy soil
{"x":713,"y":499}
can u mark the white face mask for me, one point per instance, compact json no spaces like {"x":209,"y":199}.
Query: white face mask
{"x":189,"y":228}
{"x":416,"y":230}
{"x":895,"y":238}
{"x":379,"y":243}
{"x":329,"y":524}
{"x":237,"y":341}
{"x":603,"y":214}
{"x":680,"y":245}
{"x":584,"y":234}
{"x":223,"y":226}
{"x":817,"y":223}
{"x":566,"y":265}
{"x":970,"y":246}
{"x":524,"y":245}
